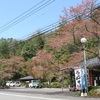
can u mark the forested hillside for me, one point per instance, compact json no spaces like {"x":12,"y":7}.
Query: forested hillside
{"x":44,"y":55}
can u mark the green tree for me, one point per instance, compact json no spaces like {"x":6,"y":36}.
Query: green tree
{"x":16,"y":48}
{"x":4,"y":50}
{"x":39,"y":42}
{"x":28,"y":50}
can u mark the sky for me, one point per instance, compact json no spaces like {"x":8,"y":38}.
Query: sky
{"x":19,"y":19}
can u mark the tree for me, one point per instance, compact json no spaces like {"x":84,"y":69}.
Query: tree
{"x":38,"y":42}
{"x":5,"y":72}
{"x":30,"y":47}
{"x":82,"y":14}
{"x":76,"y":19}
{"x":15,"y":47}
{"x":42,"y":66}
{"x":28,"y":50}
{"x":16,"y":64}
{"x":4,"y":50}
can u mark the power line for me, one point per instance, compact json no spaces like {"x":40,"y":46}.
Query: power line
{"x":38,"y":17}
{"x":50,"y":27}
{"x":14,"y":21}
{"x":21,"y":14}
{"x":25,"y":16}
{"x":45,"y":30}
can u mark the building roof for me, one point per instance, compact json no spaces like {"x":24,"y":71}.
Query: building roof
{"x":27,"y":78}
{"x":93,"y":63}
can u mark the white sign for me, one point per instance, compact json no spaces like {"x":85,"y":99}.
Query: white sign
{"x":78,"y":78}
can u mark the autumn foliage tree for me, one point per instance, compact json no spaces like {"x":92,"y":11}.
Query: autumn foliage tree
{"x":12,"y":68}
{"x":43,"y":67}
{"x":77,"y":24}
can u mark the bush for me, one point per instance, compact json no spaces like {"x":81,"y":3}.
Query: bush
{"x":66,"y":83}
{"x":54,"y":84}
{"x":93,"y":92}
{"x":45,"y":84}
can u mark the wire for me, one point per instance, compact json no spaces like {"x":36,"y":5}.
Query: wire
{"x":48,"y":29}
{"x":26,"y":16}
{"x":21,"y":14}
{"x":37,"y":18}
{"x":45,"y":30}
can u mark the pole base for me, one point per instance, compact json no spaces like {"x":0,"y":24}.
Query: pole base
{"x":82,"y":94}
{"x":85,"y":94}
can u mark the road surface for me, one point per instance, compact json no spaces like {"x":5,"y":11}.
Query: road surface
{"x":38,"y":94}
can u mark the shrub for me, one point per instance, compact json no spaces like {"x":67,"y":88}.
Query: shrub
{"x":45,"y":84}
{"x":54,"y":84}
{"x":94,"y":92}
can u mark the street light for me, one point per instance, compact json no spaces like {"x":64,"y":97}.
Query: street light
{"x":83,"y":40}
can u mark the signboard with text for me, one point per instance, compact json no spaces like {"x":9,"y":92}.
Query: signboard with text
{"x":80,"y":78}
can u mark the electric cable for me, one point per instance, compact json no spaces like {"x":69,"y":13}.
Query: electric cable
{"x":46,"y":30}
{"x":26,"y":16}
{"x":37,"y":18}
{"x":21,"y":14}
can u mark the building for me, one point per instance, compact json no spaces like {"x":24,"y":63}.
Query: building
{"x":93,"y":71}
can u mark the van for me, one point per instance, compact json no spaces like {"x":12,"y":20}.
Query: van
{"x":35,"y":84}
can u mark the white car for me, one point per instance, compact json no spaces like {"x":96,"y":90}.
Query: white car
{"x":17,"y":84}
{"x":30,"y":85}
{"x":13,"y":84}
{"x":10,"y":83}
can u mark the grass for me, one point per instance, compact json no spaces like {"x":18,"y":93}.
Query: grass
{"x":94,"y":92}
{"x":77,"y":94}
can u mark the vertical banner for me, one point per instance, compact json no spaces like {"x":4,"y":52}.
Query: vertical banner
{"x":83,"y":78}
{"x":78,"y":78}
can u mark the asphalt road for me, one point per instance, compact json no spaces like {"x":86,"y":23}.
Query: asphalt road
{"x":38,"y":94}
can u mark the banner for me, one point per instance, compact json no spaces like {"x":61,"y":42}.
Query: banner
{"x":78,"y":78}
{"x":83,"y":78}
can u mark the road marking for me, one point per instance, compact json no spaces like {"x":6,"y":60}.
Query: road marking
{"x":44,"y":98}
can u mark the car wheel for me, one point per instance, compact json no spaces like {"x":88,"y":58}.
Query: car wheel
{"x":35,"y":86}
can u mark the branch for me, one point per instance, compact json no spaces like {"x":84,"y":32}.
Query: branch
{"x":96,"y":34}
{"x":92,"y":52}
{"x":86,"y":50}
{"x":95,"y":20}
{"x":53,"y":64}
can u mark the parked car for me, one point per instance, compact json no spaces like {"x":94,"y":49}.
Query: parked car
{"x":13,"y":84}
{"x":4,"y":86}
{"x":9,"y":83}
{"x":35,"y":84}
{"x":17,"y":84}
